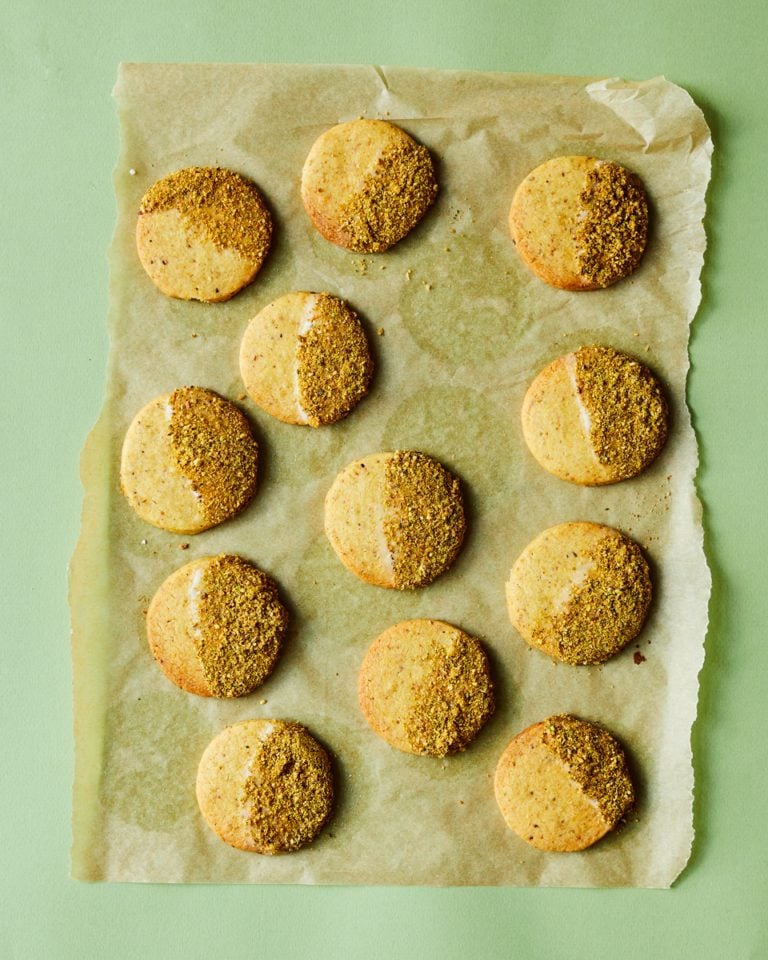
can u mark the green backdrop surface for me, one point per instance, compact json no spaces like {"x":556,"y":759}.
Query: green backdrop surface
{"x":59,"y":143}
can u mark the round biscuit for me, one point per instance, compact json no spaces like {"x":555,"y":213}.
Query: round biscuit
{"x":188,"y":461}
{"x":216,"y":626}
{"x":562,"y":784}
{"x":580,"y":223}
{"x":366,"y":184}
{"x":579,"y":592}
{"x":203,"y":233}
{"x":595,"y":416}
{"x":304,"y":359}
{"x":265,"y":786}
{"x":425,"y":687}
{"x":396,"y":519}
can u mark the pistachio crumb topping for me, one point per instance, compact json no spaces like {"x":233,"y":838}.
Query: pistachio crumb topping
{"x":607,"y":610}
{"x":215,"y":450}
{"x":423,"y":517}
{"x":241,"y":626}
{"x":626,"y":406}
{"x":453,"y":700}
{"x":595,"y":761}
{"x":611,"y":237}
{"x":333,"y":362}
{"x":219,"y":205}
{"x":289,"y":793}
{"x":393,"y":199}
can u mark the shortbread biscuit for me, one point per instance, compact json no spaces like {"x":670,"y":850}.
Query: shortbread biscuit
{"x":563,"y":783}
{"x":580,"y":223}
{"x":425,"y":687}
{"x":265,"y":786}
{"x":366,"y":184}
{"x":216,"y":626}
{"x":595,"y":416}
{"x":203,"y":233}
{"x":189,"y":461}
{"x":305,"y":359}
{"x":579,"y":592}
{"x":395,"y":519}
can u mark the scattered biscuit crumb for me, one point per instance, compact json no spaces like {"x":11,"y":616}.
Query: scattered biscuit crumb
{"x":380,"y":331}
{"x":131,"y":172}
{"x":183,"y":546}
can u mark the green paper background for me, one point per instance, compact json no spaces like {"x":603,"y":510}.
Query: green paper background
{"x":59,"y":139}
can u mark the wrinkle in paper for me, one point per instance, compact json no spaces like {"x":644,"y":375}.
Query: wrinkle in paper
{"x":466,"y":327}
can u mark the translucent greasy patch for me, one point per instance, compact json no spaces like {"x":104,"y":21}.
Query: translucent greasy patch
{"x":423,"y":517}
{"x":454,"y":699}
{"x":627,"y":409}
{"x":219,"y":205}
{"x":607,"y":609}
{"x":594,"y":760}
{"x":289,"y":794}
{"x":392,"y":200}
{"x":241,"y":626}
{"x":334,"y":364}
{"x":215,"y":450}
{"x":610,"y":240}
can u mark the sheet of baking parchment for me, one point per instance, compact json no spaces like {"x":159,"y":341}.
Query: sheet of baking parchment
{"x":459,"y":328}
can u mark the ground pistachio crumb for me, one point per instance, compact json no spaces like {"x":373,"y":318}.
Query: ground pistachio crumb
{"x":241,"y":626}
{"x":627,"y":409}
{"x":607,"y":609}
{"x":453,"y":699}
{"x":594,"y":760}
{"x":334,"y":366}
{"x":214,"y":449}
{"x":218,"y":204}
{"x":423,"y":517}
{"x":392,"y":199}
{"x":611,"y":237}
{"x":289,"y":794}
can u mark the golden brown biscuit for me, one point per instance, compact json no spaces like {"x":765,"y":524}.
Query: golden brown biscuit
{"x":203,"y":233}
{"x":563,"y":783}
{"x":395,"y":519}
{"x":579,"y":592}
{"x":425,"y":687}
{"x":595,"y":416}
{"x":305,"y":359}
{"x":216,"y":626}
{"x":580,"y":223}
{"x":189,"y":461}
{"x":366,"y":184}
{"x":265,"y":786}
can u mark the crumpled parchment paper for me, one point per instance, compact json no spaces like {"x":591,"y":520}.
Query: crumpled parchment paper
{"x":465,"y":328}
